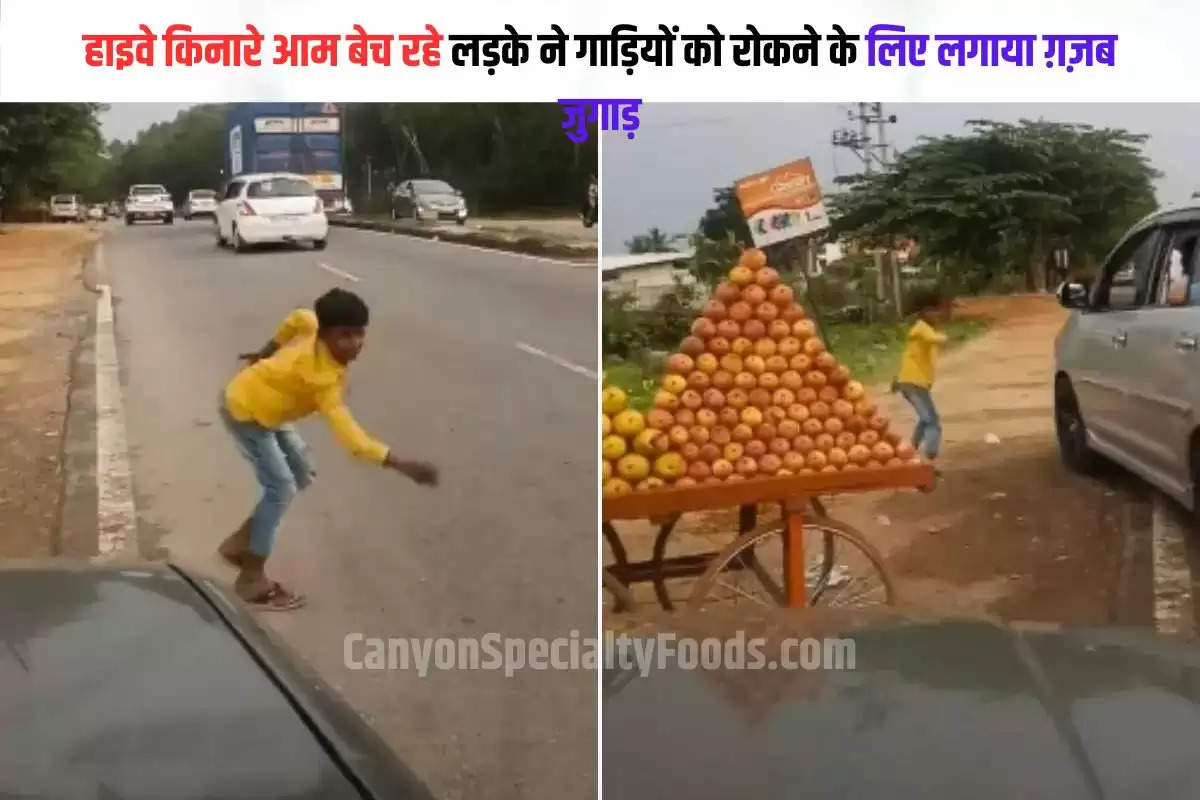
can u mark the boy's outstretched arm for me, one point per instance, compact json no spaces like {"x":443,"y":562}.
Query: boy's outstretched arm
{"x":356,"y":440}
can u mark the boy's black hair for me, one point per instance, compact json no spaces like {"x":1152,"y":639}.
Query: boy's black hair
{"x":339,"y":308}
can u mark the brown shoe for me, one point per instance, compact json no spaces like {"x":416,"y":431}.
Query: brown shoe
{"x":253,"y":587}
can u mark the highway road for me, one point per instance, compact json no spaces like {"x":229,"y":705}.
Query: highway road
{"x":482,"y":362}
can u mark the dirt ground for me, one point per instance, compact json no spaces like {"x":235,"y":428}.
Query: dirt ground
{"x":1008,"y":532}
{"x":43,"y":308}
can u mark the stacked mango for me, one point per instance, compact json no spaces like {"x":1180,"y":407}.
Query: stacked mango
{"x":753,"y":392}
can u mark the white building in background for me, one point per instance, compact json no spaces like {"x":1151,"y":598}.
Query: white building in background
{"x":648,"y":275}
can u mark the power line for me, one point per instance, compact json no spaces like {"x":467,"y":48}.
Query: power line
{"x":871,"y":152}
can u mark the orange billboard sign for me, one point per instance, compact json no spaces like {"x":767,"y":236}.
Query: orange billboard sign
{"x":782,"y":203}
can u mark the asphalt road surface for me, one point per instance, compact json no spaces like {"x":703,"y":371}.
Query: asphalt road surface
{"x":482,"y":362}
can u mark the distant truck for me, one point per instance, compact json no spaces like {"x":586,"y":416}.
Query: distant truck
{"x":300,"y":138}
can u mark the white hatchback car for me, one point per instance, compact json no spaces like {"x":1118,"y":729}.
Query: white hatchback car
{"x":268,"y":208}
{"x":1127,"y":375}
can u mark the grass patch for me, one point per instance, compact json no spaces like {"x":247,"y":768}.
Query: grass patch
{"x":872,"y":352}
{"x":633,"y":379}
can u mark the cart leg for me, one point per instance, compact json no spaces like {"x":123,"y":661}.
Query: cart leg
{"x":614,"y":541}
{"x":660,"y":550}
{"x":793,"y":555}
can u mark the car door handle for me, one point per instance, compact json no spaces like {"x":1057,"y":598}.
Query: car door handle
{"x":1120,"y":339}
{"x":1187,"y":344}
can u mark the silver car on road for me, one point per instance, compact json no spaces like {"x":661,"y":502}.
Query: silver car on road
{"x":1127,"y":373}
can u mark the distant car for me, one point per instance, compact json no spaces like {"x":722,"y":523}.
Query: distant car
{"x":200,"y":203}
{"x":149,"y":201}
{"x":339,"y":206}
{"x":270,"y":208}
{"x":150,"y":681}
{"x":425,"y":199}
{"x":67,"y":208}
{"x":97,"y":212}
{"x":114,"y":209}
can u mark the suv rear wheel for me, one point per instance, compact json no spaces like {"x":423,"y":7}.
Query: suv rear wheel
{"x":1072,"y":433}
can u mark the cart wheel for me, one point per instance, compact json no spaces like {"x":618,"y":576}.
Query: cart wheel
{"x":617,"y":597}
{"x":843,"y":570}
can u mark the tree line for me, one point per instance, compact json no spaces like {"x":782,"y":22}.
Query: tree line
{"x":505,"y":157}
{"x":994,"y":202}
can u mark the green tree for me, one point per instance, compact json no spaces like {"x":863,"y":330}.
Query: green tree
{"x":999,"y":198}
{"x":183,"y":154}
{"x":503,"y":156}
{"x":48,"y":148}
{"x":653,"y":241}
{"x":725,"y":217}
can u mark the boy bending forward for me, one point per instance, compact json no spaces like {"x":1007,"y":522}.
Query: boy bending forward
{"x":299,"y":372}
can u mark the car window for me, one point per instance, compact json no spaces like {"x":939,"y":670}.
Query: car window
{"x":281,"y":187}
{"x":432,"y":187}
{"x":148,"y":190}
{"x":62,"y":198}
{"x":1178,"y":278}
{"x":234,"y":190}
{"x":1127,"y":274}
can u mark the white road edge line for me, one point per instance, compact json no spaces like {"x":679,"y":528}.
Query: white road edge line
{"x":115,"y":509}
{"x":562,"y":362}
{"x":545,"y":259}
{"x":338,"y":272}
{"x":1172,"y":575}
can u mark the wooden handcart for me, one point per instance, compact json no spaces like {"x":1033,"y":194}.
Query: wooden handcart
{"x":805,"y":560}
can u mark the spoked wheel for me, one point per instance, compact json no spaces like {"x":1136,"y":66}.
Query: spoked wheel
{"x":842,"y":570}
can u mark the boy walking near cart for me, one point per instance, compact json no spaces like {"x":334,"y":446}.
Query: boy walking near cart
{"x":915,"y":379}
{"x":299,"y":372}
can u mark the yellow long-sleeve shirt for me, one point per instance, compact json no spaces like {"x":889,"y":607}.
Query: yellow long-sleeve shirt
{"x":920,"y":355}
{"x":300,"y":379}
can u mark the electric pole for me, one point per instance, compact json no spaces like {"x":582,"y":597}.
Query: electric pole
{"x":872,"y":153}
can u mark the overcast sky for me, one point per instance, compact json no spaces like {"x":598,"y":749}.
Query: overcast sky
{"x":124,"y":120}
{"x":664,"y":177}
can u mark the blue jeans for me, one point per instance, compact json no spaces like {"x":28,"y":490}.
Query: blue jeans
{"x":280,"y":461}
{"x":929,"y":424}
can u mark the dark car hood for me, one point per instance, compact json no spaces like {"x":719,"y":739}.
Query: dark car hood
{"x":933,"y":709}
{"x":136,"y":682}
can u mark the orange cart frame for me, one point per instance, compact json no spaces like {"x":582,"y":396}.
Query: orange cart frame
{"x":793,"y":493}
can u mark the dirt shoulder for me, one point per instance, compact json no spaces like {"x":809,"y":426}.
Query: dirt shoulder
{"x":1009,"y":531}
{"x":43,"y":313}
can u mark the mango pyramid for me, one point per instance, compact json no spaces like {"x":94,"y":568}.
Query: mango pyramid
{"x":752,"y":393}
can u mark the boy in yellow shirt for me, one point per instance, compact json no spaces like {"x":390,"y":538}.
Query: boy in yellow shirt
{"x":915,"y":380}
{"x":300,"y":371}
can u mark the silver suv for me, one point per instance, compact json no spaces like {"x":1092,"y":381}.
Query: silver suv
{"x":1127,"y":372}
{"x":149,"y":201}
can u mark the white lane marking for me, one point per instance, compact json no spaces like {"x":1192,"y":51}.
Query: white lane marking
{"x":1172,"y":575}
{"x":544,"y":259}
{"x":562,"y":362}
{"x":115,"y":510}
{"x":338,"y":272}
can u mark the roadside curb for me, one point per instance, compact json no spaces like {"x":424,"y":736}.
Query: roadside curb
{"x":97,"y":515}
{"x":528,"y":246}
{"x":78,"y":520}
